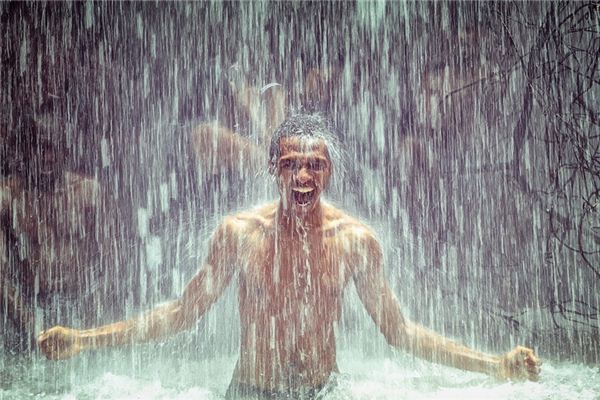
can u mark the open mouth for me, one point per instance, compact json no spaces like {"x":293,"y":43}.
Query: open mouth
{"x":303,"y":195}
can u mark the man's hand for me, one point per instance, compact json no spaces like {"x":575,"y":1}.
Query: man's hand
{"x":59,"y":343}
{"x":519,"y":364}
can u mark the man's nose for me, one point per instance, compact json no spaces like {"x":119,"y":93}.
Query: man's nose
{"x":302,"y":175}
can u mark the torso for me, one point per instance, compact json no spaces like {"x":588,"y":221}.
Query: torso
{"x":54,"y":231}
{"x":290,"y":294}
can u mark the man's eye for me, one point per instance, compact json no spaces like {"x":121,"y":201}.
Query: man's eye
{"x":286,"y":164}
{"x":316,"y":165}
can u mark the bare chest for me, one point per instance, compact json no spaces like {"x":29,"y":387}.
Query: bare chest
{"x":284,"y":277}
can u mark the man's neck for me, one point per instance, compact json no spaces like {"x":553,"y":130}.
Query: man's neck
{"x":289,"y":221}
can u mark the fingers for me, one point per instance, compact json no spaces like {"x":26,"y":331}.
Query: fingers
{"x":45,"y":334}
{"x":57,"y":343}
{"x":525,"y":364}
{"x":44,"y":341}
{"x":520,"y":364}
{"x":532,"y":366}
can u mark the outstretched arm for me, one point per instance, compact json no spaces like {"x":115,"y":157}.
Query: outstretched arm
{"x":384,"y":309}
{"x":201,"y":292}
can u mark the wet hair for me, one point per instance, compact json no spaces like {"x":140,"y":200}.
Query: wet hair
{"x":303,"y":125}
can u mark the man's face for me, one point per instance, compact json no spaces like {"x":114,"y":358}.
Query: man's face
{"x":303,"y":171}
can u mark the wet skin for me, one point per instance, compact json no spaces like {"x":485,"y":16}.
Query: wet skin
{"x":294,"y":258}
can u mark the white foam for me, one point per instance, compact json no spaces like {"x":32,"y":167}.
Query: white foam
{"x":397,"y":377}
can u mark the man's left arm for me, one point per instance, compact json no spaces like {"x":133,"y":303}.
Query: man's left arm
{"x":384,"y":308}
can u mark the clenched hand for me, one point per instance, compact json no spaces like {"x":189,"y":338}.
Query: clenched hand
{"x":520,"y":364}
{"x":59,"y":343}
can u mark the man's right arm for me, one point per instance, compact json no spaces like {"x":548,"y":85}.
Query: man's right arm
{"x":201,"y":292}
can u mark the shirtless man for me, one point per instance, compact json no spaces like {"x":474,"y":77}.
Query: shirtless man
{"x":292,"y":260}
{"x":48,"y":219}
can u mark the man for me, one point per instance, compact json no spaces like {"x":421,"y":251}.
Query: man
{"x":292,"y":260}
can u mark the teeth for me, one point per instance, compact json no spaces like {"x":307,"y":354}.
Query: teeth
{"x":303,"y":190}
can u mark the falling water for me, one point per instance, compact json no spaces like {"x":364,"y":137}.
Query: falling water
{"x":469,"y":141}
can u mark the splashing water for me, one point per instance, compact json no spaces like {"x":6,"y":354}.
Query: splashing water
{"x":363,"y":377}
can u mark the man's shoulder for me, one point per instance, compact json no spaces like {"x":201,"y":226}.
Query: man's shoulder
{"x":346,"y":225}
{"x":260,"y":217}
{"x":354,"y":236}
